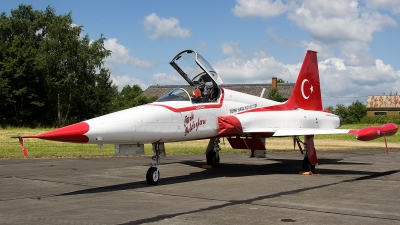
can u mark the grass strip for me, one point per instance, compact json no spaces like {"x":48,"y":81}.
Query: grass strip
{"x":37,"y":148}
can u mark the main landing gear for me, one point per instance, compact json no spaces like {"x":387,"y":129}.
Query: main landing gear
{"x":212,"y":152}
{"x":153,"y":173}
{"x":307,"y":166}
{"x":310,"y":156}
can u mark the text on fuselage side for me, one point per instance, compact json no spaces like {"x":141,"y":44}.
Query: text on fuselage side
{"x":191,"y":124}
{"x":243,"y":108}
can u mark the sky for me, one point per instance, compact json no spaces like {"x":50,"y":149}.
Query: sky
{"x":246,"y":41}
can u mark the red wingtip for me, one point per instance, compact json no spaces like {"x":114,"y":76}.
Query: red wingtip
{"x":374,"y":132}
{"x":71,"y":133}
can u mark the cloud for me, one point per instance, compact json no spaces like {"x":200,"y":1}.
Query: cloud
{"x":120,"y":54}
{"x":345,"y":84}
{"x":168,"y":79}
{"x":260,"y":8}
{"x":281,"y":41}
{"x":343,"y":25}
{"x":231,"y":49}
{"x":164,"y":28}
{"x":123,"y":80}
{"x":331,"y":22}
{"x":356,"y":53}
{"x":324,"y":50}
{"x":339,"y":24}
{"x":392,"y":5}
{"x":202,"y":47}
{"x":260,"y":69}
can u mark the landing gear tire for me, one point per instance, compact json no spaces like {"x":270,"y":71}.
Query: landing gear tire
{"x":153,"y":175}
{"x":307,"y":166}
{"x":212,"y":159}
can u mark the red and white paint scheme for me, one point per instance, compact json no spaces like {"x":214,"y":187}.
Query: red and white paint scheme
{"x":245,"y":120}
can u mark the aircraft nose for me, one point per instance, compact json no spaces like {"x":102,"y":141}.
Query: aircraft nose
{"x":71,"y":133}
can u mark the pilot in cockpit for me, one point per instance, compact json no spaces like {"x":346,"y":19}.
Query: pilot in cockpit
{"x":196,"y":96}
{"x":196,"y":93}
{"x":205,"y":94}
{"x":212,"y":93}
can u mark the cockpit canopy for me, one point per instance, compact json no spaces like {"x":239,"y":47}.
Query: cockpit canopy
{"x":198,"y":73}
{"x":178,"y":94}
{"x":194,"y":68}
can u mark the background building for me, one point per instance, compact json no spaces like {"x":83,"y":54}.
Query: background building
{"x":383,"y":105}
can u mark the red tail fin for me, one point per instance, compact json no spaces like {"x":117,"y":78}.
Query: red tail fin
{"x":307,"y":92}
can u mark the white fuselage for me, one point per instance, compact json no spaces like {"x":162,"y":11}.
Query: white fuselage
{"x":183,"y":120}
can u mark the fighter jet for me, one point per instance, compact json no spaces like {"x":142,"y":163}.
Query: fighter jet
{"x":213,"y":112}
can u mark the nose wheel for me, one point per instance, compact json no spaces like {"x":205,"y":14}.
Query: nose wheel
{"x":153,"y":175}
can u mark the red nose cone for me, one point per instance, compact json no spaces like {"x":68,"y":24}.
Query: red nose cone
{"x":71,"y":133}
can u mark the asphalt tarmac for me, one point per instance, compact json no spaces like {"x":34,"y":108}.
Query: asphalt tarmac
{"x":352,"y":187}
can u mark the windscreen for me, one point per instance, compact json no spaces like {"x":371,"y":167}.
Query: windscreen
{"x":175,"y":95}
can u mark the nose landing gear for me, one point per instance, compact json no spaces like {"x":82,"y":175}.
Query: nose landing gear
{"x":153,"y":173}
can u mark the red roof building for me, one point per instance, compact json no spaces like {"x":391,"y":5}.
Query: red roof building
{"x":383,"y":105}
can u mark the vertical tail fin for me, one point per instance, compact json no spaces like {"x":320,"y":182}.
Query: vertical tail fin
{"x":307,"y":92}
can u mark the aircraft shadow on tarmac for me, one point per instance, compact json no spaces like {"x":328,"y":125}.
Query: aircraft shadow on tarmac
{"x":282,"y":166}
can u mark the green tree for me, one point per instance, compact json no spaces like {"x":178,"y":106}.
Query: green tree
{"x":130,"y":97}
{"x":51,"y":74}
{"x":351,"y":114}
{"x":3,"y":100}
{"x":342,"y":111}
{"x":126,"y":98}
{"x":280,"y":81}
{"x":24,"y":85}
{"x":274,"y":94}
{"x":330,"y":108}
{"x":142,"y":100}
{"x":357,"y":110}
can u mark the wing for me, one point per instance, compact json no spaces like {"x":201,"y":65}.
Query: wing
{"x":251,"y":124}
{"x":281,"y":132}
{"x":364,"y":134}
